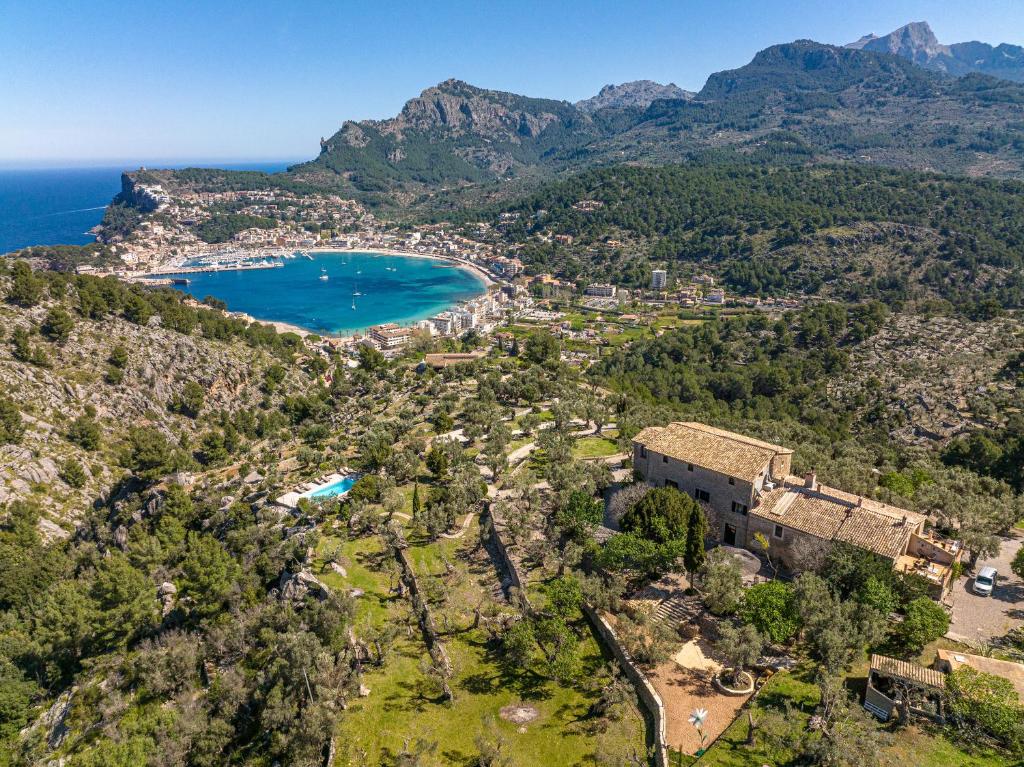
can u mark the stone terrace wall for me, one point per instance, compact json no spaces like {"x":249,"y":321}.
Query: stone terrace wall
{"x":426,"y":618}
{"x":653,"y":707}
{"x":516,"y":577}
{"x":644,"y":689}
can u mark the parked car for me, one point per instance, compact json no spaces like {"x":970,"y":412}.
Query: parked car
{"x":984,"y":581}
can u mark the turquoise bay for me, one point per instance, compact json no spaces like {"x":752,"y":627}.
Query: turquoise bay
{"x":400,"y":289}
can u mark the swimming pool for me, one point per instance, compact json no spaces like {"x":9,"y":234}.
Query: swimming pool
{"x":338,"y":487}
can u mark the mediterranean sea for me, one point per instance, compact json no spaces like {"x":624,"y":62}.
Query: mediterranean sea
{"x":400,"y":289}
{"x":58,"y":206}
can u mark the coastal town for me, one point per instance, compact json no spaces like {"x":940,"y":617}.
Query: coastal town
{"x":165,"y":245}
{"x":593,"y":423}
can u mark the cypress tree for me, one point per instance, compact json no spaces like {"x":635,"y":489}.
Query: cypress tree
{"x":696,"y":529}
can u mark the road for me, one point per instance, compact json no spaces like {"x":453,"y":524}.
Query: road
{"x":977,"y":620}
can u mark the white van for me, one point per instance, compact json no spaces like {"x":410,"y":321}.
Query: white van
{"x":984,"y":581}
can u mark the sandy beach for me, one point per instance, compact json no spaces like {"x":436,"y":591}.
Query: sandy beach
{"x":483,"y":275}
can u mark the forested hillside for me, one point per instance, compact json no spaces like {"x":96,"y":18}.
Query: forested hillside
{"x":803,"y":380}
{"x":848,"y":231}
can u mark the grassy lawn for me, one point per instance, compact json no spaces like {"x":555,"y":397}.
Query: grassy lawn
{"x":404,"y":705}
{"x":594,"y":447}
{"x":920,"y":745}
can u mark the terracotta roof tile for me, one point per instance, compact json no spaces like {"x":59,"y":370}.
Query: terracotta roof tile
{"x":725,"y":452}
{"x":908,"y":671}
{"x":838,"y":516}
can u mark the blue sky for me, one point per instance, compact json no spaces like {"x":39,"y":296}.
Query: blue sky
{"x":95,"y":81}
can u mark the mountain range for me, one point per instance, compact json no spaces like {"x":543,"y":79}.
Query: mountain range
{"x":903,"y":101}
{"x":917,"y":43}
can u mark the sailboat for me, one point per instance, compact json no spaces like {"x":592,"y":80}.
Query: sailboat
{"x":323,"y":273}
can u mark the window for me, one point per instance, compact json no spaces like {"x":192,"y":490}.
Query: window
{"x":778,"y":532}
{"x":732,"y":480}
{"x":671,"y":483}
{"x":664,"y":459}
{"x":643,"y":451}
{"x":739,"y":508}
{"x":689,"y":467}
{"x":701,"y":495}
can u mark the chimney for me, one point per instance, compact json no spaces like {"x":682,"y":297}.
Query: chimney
{"x":811,"y":480}
{"x":860,"y":501}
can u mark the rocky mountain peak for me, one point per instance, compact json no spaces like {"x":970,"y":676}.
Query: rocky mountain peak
{"x":917,"y":43}
{"x":638,"y":93}
{"x":914,"y":41}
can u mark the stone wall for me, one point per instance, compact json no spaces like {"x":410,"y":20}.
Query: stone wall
{"x":645,"y":691}
{"x":423,"y":614}
{"x":516,"y":578}
{"x":654,"y":709}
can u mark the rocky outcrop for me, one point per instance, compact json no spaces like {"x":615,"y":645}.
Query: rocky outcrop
{"x":296,"y":587}
{"x":50,"y":398}
{"x":638,"y":94}
{"x":145,"y":197}
{"x":917,"y":43}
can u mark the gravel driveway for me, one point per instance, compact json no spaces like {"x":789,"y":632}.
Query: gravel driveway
{"x":977,"y":620}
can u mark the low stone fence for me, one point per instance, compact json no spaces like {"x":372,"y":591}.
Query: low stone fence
{"x":515,"y":575}
{"x":426,"y":619}
{"x":645,"y":691}
{"x":654,"y":709}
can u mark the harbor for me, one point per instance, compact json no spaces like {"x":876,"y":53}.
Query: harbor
{"x":215,"y":267}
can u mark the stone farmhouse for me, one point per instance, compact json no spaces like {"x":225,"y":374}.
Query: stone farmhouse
{"x":747,"y":488}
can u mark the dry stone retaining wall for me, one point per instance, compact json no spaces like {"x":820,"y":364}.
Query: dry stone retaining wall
{"x":426,"y":619}
{"x":645,"y":691}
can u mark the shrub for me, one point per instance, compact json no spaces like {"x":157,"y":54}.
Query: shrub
{"x":979,"y":701}
{"x":189,"y":401}
{"x":771,"y":608}
{"x":58,"y":325}
{"x":924,"y":622}
{"x":723,"y":583}
{"x":71,"y":471}
{"x":84,"y":432}
{"x":11,"y":427}
{"x":662,"y":515}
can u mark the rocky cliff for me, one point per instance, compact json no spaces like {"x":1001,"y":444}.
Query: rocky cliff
{"x":917,"y":42}
{"x":75,"y":381}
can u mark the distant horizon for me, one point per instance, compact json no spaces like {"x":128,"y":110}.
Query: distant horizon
{"x":44,"y":164}
{"x":265,"y":80}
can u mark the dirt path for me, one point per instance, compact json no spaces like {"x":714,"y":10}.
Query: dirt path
{"x":462,"y":530}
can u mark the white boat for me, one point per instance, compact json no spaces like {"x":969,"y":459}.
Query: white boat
{"x":324,"y":277}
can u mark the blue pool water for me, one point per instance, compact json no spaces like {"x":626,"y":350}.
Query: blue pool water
{"x":400,"y":289}
{"x":340,"y":487}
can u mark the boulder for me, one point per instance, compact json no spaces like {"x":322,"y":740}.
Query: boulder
{"x":296,"y":586}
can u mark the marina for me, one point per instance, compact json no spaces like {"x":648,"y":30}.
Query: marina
{"x":216,"y":267}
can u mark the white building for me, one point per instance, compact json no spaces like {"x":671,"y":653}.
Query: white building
{"x":714,"y":296}
{"x":600,"y":289}
{"x":390,"y":338}
{"x":659,"y":279}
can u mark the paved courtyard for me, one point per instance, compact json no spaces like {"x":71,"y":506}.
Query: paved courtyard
{"x":977,"y":620}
